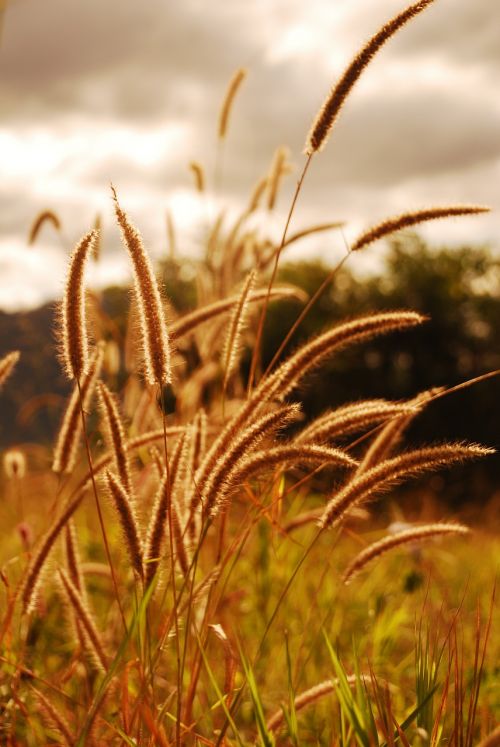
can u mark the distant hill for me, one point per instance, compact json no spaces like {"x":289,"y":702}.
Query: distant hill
{"x":38,"y":383}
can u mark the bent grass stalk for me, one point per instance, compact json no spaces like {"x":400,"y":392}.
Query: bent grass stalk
{"x":409,"y":536}
{"x":317,"y":138}
{"x":7,"y":365}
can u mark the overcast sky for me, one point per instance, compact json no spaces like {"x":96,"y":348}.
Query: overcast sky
{"x":94,"y":91}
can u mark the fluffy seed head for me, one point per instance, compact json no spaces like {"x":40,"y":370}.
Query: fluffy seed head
{"x":14,"y":464}
{"x":74,"y":336}
{"x":290,"y":373}
{"x":68,"y":438}
{"x":152,"y":316}
{"x":406,"y":220}
{"x":47,"y":216}
{"x":329,"y":112}
{"x":415,"y":534}
{"x":7,"y":364}
{"x":128,"y":520}
{"x":234,"y":84}
{"x":391,"y":471}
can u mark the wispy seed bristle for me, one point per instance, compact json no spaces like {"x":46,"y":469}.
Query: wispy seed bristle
{"x":329,"y":112}
{"x":406,"y":220}
{"x":415,"y":534}
{"x":74,"y":335}
{"x":148,"y":298}
{"x":234,"y":84}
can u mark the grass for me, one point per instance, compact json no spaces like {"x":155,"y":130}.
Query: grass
{"x":185,"y":583}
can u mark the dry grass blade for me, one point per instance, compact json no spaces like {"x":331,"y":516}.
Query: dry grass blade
{"x":70,"y":430}
{"x":353,"y":417}
{"x":415,"y":534}
{"x":190,"y":321}
{"x":7,"y":365}
{"x":85,"y":618}
{"x":47,"y":216}
{"x":234,"y":84}
{"x":406,"y":220}
{"x":256,"y":195}
{"x":154,"y":336}
{"x":128,"y":520}
{"x":391,"y":471}
{"x":74,"y":335}
{"x":330,"y":110}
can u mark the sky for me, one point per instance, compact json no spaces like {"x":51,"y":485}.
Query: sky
{"x":101,"y":91}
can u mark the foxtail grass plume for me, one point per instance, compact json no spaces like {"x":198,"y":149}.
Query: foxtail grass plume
{"x":159,"y":513}
{"x":198,"y":174}
{"x":268,"y":459}
{"x":351,"y":418}
{"x":152,"y":316}
{"x":115,"y":436}
{"x":193,"y":319}
{"x":330,"y":110}
{"x":96,"y":253}
{"x":279,"y":168}
{"x":233,"y":445}
{"x":54,"y":719}
{"x":128,"y":520}
{"x":7,"y":364}
{"x":74,"y":335}
{"x":406,"y":220}
{"x":391,"y":471}
{"x":47,"y":216}
{"x":70,"y":430}
{"x":85,"y":618}
{"x":389,"y":436}
{"x":409,"y":536}
{"x":291,"y":372}
{"x":275,"y":722}
{"x":38,"y":561}
{"x":235,"y":329}
{"x":14,"y":464}
{"x":234,"y":84}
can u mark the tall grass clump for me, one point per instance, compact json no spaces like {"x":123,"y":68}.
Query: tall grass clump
{"x":234,"y":580}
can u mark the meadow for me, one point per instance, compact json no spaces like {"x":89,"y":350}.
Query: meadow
{"x":194,"y":562}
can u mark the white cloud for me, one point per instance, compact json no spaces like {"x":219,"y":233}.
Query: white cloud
{"x":129,"y":92}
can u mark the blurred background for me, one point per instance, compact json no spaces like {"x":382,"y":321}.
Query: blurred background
{"x":130,"y":93}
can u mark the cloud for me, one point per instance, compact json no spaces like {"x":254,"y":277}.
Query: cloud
{"x":130,"y":92}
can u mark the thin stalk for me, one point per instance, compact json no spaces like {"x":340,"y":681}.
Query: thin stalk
{"x":306,"y":310}
{"x":256,"y":352}
{"x":98,"y":506}
{"x":174,"y":591}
